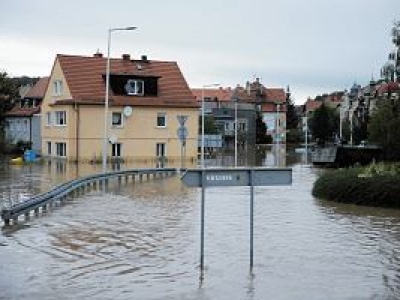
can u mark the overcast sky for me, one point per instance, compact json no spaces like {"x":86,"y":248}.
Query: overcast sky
{"x":314,"y":46}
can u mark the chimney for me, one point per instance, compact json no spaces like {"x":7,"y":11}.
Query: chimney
{"x":98,"y":54}
{"x":126,"y":57}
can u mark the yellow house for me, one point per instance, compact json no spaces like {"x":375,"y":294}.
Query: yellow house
{"x":145,"y":98}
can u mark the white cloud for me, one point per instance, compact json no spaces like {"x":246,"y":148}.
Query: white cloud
{"x":314,"y":46}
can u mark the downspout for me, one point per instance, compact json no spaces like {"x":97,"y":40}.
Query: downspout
{"x":77,"y":127}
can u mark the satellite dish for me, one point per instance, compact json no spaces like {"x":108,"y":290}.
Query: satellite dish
{"x":113,"y":139}
{"x":127,"y":111}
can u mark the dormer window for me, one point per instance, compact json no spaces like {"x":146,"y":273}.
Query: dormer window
{"x":134,"y":87}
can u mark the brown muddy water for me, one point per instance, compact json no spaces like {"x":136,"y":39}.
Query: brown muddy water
{"x":142,"y":241}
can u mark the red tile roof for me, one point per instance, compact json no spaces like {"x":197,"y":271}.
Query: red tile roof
{"x":17,"y":111}
{"x":39,"y":89}
{"x":85,"y":79}
{"x":388,"y":87}
{"x":276,"y":95}
{"x":36,"y":92}
{"x":312,"y":105}
{"x":221,"y":94}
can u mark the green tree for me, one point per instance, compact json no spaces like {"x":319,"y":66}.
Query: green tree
{"x":323,"y":124}
{"x":383,"y":128}
{"x":8,"y":93}
{"x":209,"y":125}
{"x":292,"y":120}
{"x":261,"y":130}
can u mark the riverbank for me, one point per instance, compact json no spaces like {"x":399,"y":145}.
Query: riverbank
{"x":374,"y":185}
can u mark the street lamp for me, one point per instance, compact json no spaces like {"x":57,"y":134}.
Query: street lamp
{"x":277,"y":133}
{"x":236,"y":131}
{"x":202,"y":119}
{"x":105,"y":140}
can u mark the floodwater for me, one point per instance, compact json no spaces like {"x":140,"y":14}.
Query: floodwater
{"x":142,"y":241}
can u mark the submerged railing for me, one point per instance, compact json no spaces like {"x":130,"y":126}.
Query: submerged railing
{"x":76,"y":188}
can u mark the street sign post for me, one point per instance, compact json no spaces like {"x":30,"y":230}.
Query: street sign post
{"x":182,"y":133}
{"x":251,"y":177}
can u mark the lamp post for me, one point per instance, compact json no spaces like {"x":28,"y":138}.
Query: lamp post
{"x":277,"y":134}
{"x":202,"y":119}
{"x":105,"y":140}
{"x":236,"y":132}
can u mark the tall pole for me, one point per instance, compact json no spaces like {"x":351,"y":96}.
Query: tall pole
{"x":105,"y":142}
{"x":236,"y":133}
{"x":277,"y":134}
{"x":202,"y":120}
{"x":106,"y":101}
{"x":202,"y":127}
{"x":306,"y":139}
{"x":351,"y":126}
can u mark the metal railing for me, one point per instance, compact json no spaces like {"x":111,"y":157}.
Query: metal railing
{"x":75,"y":188}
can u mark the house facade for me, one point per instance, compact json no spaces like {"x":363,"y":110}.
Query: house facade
{"x":250,"y":99}
{"x":23,"y":121}
{"x":145,"y":98}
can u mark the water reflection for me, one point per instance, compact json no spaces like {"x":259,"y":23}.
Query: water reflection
{"x":376,"y":231}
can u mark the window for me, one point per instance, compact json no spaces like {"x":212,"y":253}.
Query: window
{"x":161,"y":120}
{"x":48,"y":119}
{"x":60,"y":118}
{"x":134,"y":87}
{"x":58,"y":88}
{"x":26,"y":128}
{"x":61,"y":149}
{"x":160,"y":149}
{"x":49,"y":148}
{"x":242,"y":126}
{"x":117,"y":119}
{"x":117,"y":150}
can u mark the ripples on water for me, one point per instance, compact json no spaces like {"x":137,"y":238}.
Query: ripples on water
{"x":142,"y":242}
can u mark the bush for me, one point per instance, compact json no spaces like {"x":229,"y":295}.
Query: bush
{"x":360,"y":186}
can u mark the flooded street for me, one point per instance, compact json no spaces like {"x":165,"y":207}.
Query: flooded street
{"x":142,"y":241}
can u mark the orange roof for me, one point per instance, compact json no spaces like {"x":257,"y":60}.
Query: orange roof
{"x":254,"y":93}
{"x":276,"y":95}
{"x":85,"y":79}
{"x":219,"y":94}
{"x":17,"y":111}
{"x":36,"y":92}
{"x":312,"y":105}
{"x":39,"y":89}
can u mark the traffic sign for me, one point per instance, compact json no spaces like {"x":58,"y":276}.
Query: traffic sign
{"x":234,"y":177}
{"x":182,"y":119}
{"x":182,"y":133}
{"x":238,"y":177}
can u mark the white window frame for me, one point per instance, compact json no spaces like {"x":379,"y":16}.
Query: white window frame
{"x":121,"y":118}
{"x":116,"y":150}
{"x":61,"y":149}
{"x":49,"y":118}
{"x":57,"y":87}
{"x":136,"y":87}
{"x":60,"y":118}
{"x":162,"y":115}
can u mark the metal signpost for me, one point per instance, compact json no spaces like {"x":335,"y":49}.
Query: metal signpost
{"x":182,"y":133}
{"x":235,"y":177}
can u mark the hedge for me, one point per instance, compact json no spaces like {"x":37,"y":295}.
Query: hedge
{"x":360,"y":186}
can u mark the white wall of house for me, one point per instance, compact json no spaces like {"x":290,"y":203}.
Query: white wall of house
{"x":17,"y":129}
